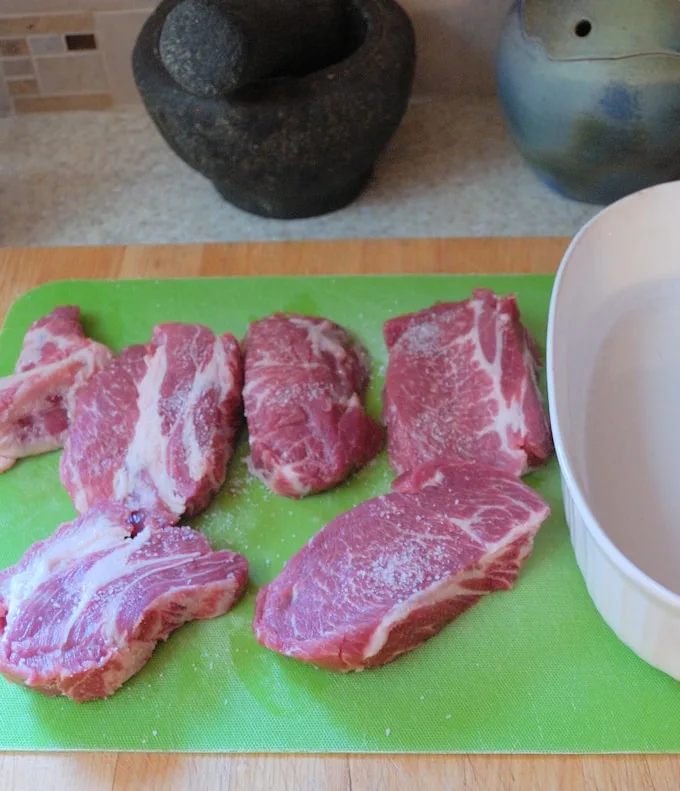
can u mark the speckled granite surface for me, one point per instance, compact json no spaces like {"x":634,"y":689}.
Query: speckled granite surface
{"x":108,"y":178}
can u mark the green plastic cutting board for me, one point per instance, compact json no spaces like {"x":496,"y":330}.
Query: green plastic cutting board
{"x":530,"y":670}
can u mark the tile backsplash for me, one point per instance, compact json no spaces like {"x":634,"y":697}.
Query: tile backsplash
{"x":75,"y":54}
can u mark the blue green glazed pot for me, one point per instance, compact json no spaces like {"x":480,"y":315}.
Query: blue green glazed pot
{"x":591,"y":93}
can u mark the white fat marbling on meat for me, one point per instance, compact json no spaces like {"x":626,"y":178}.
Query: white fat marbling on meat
{"x":216,"y":372}
{"x":446,"y":589}
{"x":146,"y":459}
{"x":99,"y":535}
{"x":148,"y":450}
{"x":29,"y":389}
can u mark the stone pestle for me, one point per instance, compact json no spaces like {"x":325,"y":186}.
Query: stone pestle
{"x":215,"y":47}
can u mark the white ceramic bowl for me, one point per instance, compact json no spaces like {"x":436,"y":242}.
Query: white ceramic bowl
{"x":613,"y":367}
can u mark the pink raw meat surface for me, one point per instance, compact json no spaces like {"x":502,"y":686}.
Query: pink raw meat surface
{"x":156,"y":429}
{"x":83,"y":610}
{"x":305,"y":382}
{"x":382,"y":578}
{"x":36,"y":401}
{"x":462,"y":383}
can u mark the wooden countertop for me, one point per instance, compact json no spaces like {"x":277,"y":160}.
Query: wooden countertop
{"x":21,"y":270}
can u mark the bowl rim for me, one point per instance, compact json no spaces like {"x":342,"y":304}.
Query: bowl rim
{"x":640,"y":579}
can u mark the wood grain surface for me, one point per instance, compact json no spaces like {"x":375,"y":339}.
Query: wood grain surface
{"x":20,"y":270}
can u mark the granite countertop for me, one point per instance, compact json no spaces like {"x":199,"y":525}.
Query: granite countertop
{"x":108,"y":178}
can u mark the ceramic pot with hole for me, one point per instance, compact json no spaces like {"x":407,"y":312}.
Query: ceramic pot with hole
{"x":591,"y":93}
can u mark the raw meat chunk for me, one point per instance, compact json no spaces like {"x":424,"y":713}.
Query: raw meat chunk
{"x":156,"y":429}
{"x":83,"y":610}
{"x":36,"y":401}
{"x":304,"y":385}
{"x":380,"y":579}
{"x":462,"y":383}
{"x":106,"y":417}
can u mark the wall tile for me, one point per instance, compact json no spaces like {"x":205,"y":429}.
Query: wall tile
{"x":46,"y":45}
{"x":17,"y":67}
{"x":79,"y":42}
{"x":13,"y":47}
{"x":22,"y":87}
{"x":5,"y":100}
{"x":116,"y":35}
{"x":40,"y":24}
{"x":36,"y":6}
{"x":57,"y":104}
{"x":74,"y":73}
